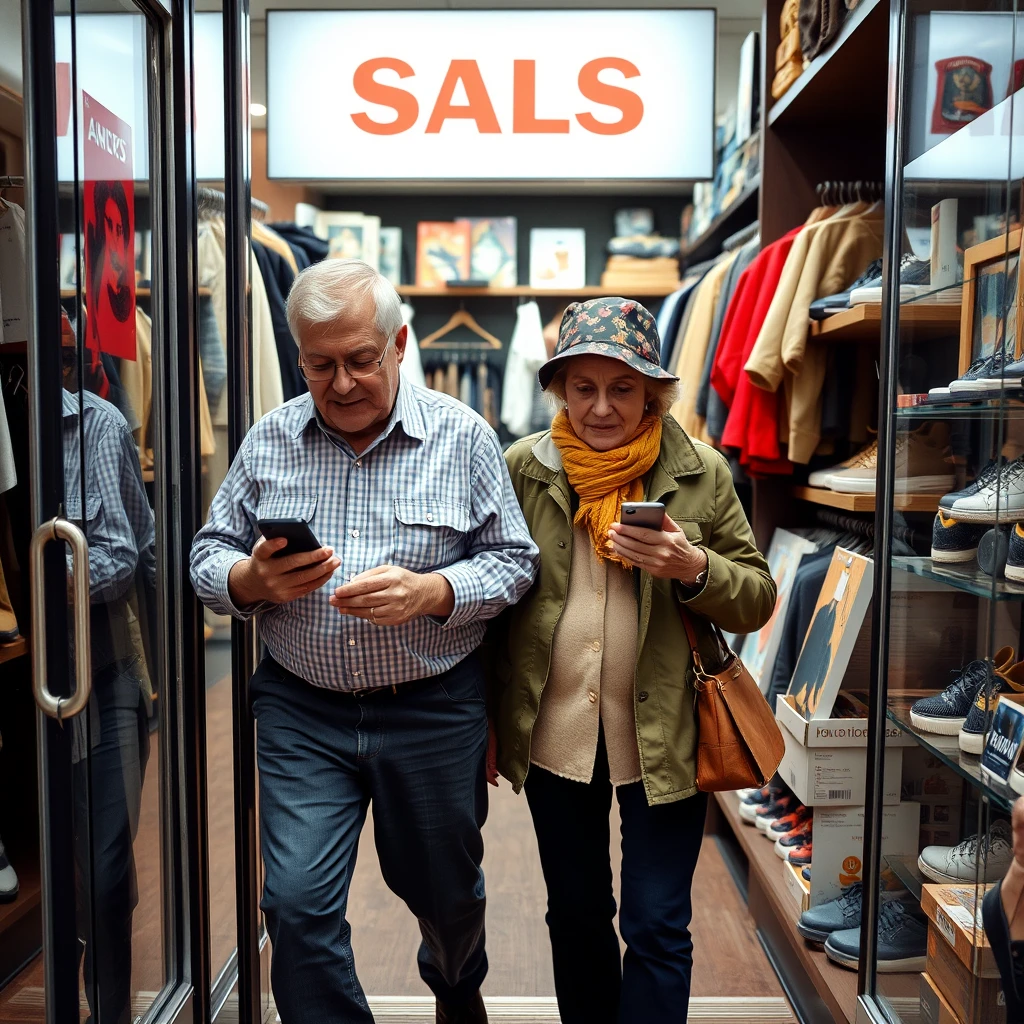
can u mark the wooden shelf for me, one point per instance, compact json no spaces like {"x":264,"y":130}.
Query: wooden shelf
{"x":866,"y":502}
{"x":741,"y":212}
{"x":864,"y":323}
{"x":16,"y":649}
{"x":836,"y":986}
{"x":823,"y":93}
{"x":591,"y":291}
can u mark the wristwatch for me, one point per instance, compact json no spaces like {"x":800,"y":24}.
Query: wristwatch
{"x":702,"y":576}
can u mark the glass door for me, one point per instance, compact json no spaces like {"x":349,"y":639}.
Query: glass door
{"x":107,"y":465}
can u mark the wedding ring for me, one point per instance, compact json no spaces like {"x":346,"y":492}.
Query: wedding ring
{"x":373,"y":615}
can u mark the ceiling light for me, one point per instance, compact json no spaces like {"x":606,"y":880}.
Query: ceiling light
{"x":257,"y":110}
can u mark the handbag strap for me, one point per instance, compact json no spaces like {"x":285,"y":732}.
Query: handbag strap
{"x":691,"y":636}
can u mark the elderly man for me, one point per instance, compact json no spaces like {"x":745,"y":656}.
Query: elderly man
{"x":370,"y":695}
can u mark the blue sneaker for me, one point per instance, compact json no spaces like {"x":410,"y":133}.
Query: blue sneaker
{"x":902,"y":940}
{"x":1015,"y":557}
{"x":1009,"y":681}
{"x":945,"y":713}
{"x":953,"y":541}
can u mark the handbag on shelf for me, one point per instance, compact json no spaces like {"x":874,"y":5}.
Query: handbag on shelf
{"x":739,"y":743}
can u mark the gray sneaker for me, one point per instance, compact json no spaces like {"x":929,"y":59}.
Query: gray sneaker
{"x":960,"y":863}
{"x":902,"y":940}
{"x":843,"y":913}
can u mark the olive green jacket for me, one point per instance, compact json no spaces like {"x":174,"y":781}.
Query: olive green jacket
{"x":695,"y":484}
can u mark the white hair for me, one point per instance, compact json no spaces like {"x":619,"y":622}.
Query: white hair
{"x":323,"y":293}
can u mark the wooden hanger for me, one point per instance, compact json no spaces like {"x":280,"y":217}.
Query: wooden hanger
{"x":461,"y":319}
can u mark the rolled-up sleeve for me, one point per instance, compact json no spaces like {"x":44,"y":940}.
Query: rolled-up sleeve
{"x":228,"y":536}
{"x":739,"y":593}
{"x":502,"y":559}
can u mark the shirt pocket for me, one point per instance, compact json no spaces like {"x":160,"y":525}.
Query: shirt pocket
{"x":287,"y":505}
{"x":428,"y":533}
{"x":73,"y":507}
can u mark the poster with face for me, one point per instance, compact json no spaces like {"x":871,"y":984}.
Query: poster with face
{"x":109,"y":209}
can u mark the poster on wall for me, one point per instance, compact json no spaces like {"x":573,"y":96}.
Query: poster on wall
{"x":963,"y":93}
{"x":109,"y":213}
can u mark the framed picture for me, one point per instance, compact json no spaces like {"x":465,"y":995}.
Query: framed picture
{"x":558,"y":258}
{"x":350,"y":235}
{"x":991,"y":312}
{"x":493,"y":250}
{"x":760,"y":648}
{"x":442,"y":252}
{"x":391,"y":254}
{"x":836,"y":624}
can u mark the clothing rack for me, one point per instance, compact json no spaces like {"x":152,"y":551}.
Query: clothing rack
{"x":211,"y":204}
{"x":839,"y":193}
{"x":863,"y":527}
{"x":741,"y":237}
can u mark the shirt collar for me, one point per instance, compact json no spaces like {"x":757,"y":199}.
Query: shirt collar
{"x":407,"y":413}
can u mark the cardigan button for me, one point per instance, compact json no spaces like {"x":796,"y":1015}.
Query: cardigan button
{"x":642,"y":696}
{"x":561,"y":543}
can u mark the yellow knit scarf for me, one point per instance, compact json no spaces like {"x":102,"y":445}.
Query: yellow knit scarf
{"x":604,"y":480}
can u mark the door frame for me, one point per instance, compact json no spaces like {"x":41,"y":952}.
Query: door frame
{"x":177,"y":510}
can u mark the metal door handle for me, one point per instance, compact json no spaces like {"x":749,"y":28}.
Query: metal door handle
{"x":61,"y":708}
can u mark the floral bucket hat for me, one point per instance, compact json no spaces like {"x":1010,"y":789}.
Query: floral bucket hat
{"x":613,"y":327}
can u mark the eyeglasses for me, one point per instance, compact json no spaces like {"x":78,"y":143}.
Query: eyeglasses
{"x":355,"y":368}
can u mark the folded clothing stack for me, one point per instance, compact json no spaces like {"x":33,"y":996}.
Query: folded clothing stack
{"x":626,"y":274}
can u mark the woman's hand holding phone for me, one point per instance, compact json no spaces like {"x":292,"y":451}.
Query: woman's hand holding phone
{"x":665,"y":554}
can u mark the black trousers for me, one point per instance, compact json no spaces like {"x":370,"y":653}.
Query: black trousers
{"x":660,"y":846}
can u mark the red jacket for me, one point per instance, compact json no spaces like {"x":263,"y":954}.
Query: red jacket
{"x":752,"y":424}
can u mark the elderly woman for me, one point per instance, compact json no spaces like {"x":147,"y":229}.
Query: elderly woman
{"x":594,"y":680}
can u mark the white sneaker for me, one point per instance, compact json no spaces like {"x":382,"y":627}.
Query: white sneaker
{"x":960,"y":863}
{"x":8,"y":878}
{"x":1000,"y":501}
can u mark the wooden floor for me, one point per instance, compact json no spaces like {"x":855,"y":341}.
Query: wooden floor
{"x":385,"y":935}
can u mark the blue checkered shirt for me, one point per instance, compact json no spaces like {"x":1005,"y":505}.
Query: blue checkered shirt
{"x":431,"y":494}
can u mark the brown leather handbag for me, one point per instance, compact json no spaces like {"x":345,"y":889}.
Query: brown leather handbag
{"x":739,"y":742}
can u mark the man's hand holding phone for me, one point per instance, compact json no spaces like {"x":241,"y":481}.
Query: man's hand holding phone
{"x":264,"y":577}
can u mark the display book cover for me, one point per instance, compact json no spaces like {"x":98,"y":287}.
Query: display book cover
{"x":350,"y":235}
{"x":558,"y":258}
{"x":759,"y":650}
{"x":1004,"y":740}
{"x":442,"y":252}
{"x":837,"y":620}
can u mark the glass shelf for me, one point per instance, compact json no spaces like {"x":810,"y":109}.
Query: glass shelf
{"x":970,"y":579}
{"x":1007,"y":404}
{"x":947,"y":749}
{"x":907,"y":871}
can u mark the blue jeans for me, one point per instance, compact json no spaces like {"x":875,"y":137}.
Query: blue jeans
{"x":416,"y":758}
{"x":660,"y":846}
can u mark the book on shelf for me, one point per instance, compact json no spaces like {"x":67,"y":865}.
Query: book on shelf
{"x":493,"y":254}
{"x":558,"y":258}
{"x":442,"y":253}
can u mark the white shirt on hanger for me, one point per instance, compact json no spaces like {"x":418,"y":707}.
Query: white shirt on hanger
{"x":412,"y":365}
{"x":13,"y":299}
{"x":526,"y":355}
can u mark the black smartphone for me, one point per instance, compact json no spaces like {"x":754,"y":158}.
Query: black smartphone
{"x":647,"y":514}
{"x":300,"y":537}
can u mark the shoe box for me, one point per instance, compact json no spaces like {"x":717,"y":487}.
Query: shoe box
{"x":972,"y":1000}
{"x":955,"y":912}
{"x":839,"y":845}
{"x":798,"y":886}
{"x":961,"y":964}
{"x":825,"y":763}
{"x":934,"y":1007}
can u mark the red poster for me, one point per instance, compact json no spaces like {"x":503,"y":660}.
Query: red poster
{"x":109,"y":231}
